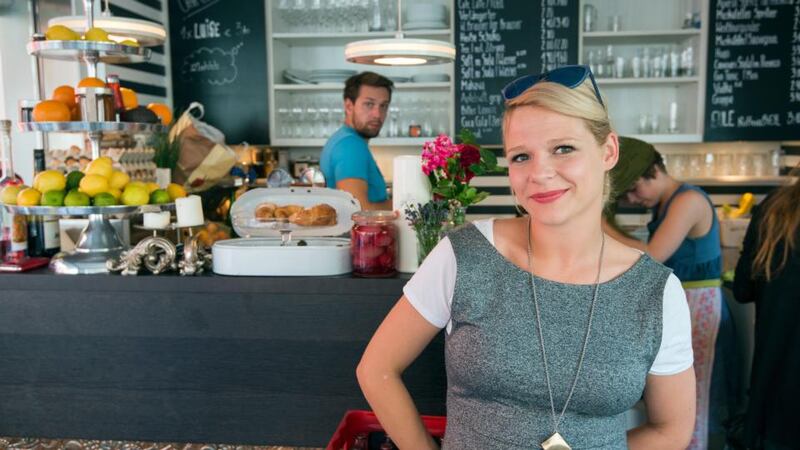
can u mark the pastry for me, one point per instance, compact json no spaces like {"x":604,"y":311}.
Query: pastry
{"x":317,"y":216}
{"x":284,"y":212}
{"x":266,"y":211}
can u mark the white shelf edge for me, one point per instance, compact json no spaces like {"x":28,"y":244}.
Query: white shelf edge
{"x":377,"y":142}
{"x":358,"y":35}
{"x":668,"y":138}
{"x":646,"y":81}
{"x":743,"y":180}
{"x":340,"y":86}
{"x":652,"y":33}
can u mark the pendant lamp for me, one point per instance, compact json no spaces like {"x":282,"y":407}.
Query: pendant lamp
{"x":400,"y":51}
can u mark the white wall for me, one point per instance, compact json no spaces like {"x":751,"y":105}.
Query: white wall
{"x":16,"y":81}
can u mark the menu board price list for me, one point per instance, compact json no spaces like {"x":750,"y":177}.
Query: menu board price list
{"x":753,"y":87}
{"x":500,"y":40}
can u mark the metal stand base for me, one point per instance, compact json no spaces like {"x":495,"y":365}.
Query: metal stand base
{"x":97,"y":244}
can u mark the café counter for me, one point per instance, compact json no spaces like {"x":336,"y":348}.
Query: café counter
{"x":240,"y":360}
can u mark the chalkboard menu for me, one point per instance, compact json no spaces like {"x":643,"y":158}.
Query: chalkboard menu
{"x":500,"y":40}
{"x":753,"y":81}
{"x":219,"y":58}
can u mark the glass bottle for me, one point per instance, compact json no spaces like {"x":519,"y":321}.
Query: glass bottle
{"x":388,"y":444}
{"x":43,"y":233}
{"x":373,"y":244}
{"x":14,"y":240}
{"x":360,"y":442}
{"x":112,"y":81}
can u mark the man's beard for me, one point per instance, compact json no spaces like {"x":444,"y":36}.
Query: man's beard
{"x":365,"y":132}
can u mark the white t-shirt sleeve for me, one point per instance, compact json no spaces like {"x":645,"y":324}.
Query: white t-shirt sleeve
{"x":430,"y":290}
{"x":675,"y":354}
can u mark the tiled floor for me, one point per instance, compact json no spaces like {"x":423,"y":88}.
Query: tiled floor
{"x":77,"y":444}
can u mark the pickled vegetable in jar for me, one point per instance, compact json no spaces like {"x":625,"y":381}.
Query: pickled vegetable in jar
{"x":373,"y":244}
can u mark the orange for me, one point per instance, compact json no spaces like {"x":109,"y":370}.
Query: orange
{"x":75,"y":113}
{"x":129,"y":98}
{"x":51,"y":111}
{"x":65,"y":94}
{"x":162,"y":111}
{"x":91,"y":82}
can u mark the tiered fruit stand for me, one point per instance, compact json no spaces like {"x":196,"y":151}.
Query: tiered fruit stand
{"x":98,"y":241}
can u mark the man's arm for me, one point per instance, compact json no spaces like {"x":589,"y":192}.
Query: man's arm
{"x":358,"y":188}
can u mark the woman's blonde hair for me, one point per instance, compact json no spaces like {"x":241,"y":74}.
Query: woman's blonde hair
{"x":579,"y":102}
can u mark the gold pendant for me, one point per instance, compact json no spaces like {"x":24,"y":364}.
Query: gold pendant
{"x":555,"y":442}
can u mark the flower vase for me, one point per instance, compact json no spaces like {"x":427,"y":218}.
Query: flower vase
{"x":458,"y":216}
{"x":427,"y":238}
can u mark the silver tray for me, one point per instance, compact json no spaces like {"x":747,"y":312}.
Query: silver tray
{"x":107,"y":52}
{"x":88,"y":127}
{"x":87,"y":210}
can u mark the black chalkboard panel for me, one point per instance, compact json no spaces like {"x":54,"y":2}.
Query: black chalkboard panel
{"x":500,"y":40}
{"x":753,"y":81}
{"x":219,"y":58}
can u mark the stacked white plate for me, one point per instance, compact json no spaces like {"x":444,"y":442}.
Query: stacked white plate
{"x":297,"y":76}
{"x":331,"y":75}
{"x":425,"y":16}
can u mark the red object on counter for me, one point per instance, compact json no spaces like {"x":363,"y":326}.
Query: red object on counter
{"x":359,"y":421}
{"x":373,"y":244}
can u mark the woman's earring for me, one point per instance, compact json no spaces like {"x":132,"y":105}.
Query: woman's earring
{"x":520,"y":210}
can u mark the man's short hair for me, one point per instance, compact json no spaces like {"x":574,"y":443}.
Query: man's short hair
{"x":658,"y":162}
{"x":353,"y":84}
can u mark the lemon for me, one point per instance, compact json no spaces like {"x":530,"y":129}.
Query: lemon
{"x":76,"y":198}
{"x":74,"y":179}
{"x":99,"y":167}
{"x":96,"y":34}
{"x":53,"y":198}
{"x":93,"y":184}
{"x":49,"y":180}
{"x":135,"y":195}
{"x":29,"y":197}
{"x":152,"y":187}
{"x":130,"y":42}
{"x":104,"y":199}
{"x":176,"y":191}
{"x":61,"y":33}
{"x":159,"y":196}
{"x":10,"y":192}
{"x":116,"y":193}
{"x":118,"y":180}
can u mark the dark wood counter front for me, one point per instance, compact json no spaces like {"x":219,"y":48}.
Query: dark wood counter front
{"x":192,"y":359}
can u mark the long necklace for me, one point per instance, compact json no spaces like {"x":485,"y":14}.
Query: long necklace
{"x":556,"y":441}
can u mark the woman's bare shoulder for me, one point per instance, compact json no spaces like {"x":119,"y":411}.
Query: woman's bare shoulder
{"x":619,"y":258}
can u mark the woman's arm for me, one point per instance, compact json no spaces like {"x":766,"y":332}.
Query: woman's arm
{"x":396,"y":344}
{"x":686,"y":210}
{"x":670,"y":401}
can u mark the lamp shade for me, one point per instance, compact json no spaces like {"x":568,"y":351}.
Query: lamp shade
{"x":400,"y":51}
{"x":146,"y":33}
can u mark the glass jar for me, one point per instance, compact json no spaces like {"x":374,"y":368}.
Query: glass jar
{"x":373,"y":244}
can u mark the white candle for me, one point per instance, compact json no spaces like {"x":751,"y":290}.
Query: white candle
{"x":159,"y":220}
{"x":189,"y":211}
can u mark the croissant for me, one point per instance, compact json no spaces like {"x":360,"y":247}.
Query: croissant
{"x":317,"y":216}
{"x":284,"y":212}
{"x":265,"y":211}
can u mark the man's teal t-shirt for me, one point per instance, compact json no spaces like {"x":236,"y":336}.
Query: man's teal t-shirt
{"x":346,"y":155}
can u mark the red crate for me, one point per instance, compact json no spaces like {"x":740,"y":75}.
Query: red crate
{"x":358,"y":421}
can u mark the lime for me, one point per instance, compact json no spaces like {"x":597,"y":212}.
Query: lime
{"x":76,"y":198}
{"x":104,"y":199}
{"x":159,"y":196}
{"x":74,"y":179}
{"x":53,"y":198}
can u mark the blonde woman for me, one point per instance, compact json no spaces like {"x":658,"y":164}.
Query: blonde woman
{"x":553,"y":330}
{"x":768,"y":273}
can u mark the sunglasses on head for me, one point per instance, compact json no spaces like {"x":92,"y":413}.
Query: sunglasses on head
{"x":567,"y":76}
